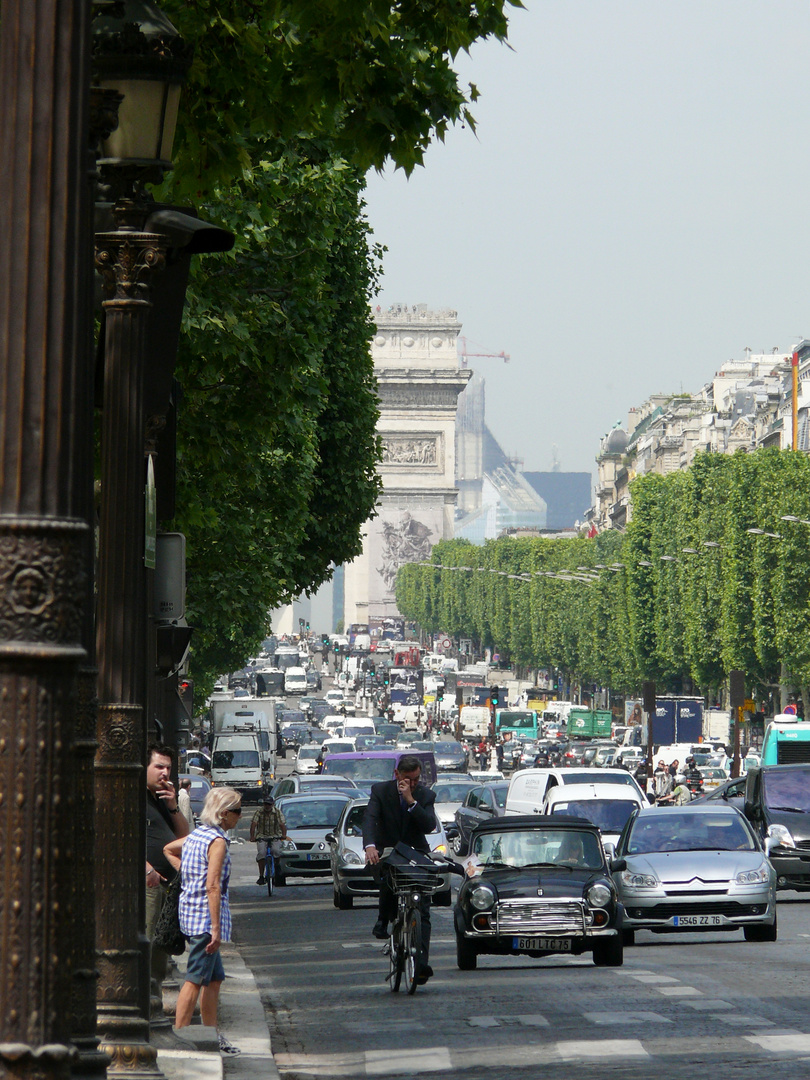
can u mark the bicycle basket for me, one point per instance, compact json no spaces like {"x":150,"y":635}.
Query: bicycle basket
{"x":407,"y":878}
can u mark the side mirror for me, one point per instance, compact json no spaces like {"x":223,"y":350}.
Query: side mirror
{"x":330,"y":838}
{"x":610,"y":850}
{"x":451,"y":832}
{"x":752,"y":811}
{"x":617,"y":865}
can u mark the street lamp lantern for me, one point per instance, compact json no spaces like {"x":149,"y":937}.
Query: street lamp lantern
{"x":142,"y":56}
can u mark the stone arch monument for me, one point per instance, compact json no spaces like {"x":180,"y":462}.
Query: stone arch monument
{"x":419,"y":381}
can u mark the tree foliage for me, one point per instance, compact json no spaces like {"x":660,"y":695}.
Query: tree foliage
{"x":708,"y":577}
{"x":374,"y":78}
{"x":287,"y":103}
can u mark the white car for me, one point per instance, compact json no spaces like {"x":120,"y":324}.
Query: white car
{"x":306,"y":760}
{"x":608,"y":806}
{"x":334,"y":697}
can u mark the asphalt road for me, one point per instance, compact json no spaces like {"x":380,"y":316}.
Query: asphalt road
{"x":680,"y":1006}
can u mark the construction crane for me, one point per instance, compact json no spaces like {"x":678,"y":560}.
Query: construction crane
{"x":464,"y":355}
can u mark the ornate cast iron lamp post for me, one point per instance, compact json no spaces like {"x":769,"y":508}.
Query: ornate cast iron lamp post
{"x":141,"y":55}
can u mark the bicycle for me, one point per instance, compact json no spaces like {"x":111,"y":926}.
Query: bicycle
{"x":410,"y":882}
{"x":270,"y":869}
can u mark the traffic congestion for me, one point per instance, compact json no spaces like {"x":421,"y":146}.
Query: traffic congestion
{"x":552,"y":840}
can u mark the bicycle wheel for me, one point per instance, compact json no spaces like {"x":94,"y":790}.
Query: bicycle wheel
{"x":413,"y":948}
{"x":395,"y":959}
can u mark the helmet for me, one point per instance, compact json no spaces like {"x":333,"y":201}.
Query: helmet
{"x":690,"y":761}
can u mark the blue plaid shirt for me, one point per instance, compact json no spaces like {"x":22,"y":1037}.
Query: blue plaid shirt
{"x":195,"y":916}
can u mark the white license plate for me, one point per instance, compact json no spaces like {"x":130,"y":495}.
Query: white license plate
{"x":697,"y":920}
{"x":317,"y":858}
{"x":549,"y":944}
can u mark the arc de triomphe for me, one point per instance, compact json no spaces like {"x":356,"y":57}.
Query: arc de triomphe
{"x":419,"y":381}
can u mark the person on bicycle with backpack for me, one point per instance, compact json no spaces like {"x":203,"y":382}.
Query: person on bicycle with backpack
{"x":400,"y":810}
{"x":268,"y":827}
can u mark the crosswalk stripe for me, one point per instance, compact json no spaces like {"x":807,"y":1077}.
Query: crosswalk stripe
{"x":416,"y":1060}
{"x":581,"y":1049}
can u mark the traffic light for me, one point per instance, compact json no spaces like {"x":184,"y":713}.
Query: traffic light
{"x":185,"y":691}
{"x":495,"y":696}
{"x":307,"y":627}
{"x":386,"y":679}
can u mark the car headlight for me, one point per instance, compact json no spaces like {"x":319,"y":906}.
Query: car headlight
{"x":482,"y":897}
{"x":753,"y":877}
{"x":780,"y":835}
{"x":351,"y":858}
{"x":288,"y":845}
{"x":631,"y":880}
{"x":598,"y":895}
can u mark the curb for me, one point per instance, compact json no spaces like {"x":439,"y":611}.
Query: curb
{"x":192,"y":1052}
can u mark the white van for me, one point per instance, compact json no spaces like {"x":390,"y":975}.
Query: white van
{"x":474,"y":720}
{"x":295,"y":681}
{"x":528,"y":788}
{"x":608,"y":806}
{"x":236,"y":761}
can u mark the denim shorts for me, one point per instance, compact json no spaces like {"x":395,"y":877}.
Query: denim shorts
{"x":202,"y":967}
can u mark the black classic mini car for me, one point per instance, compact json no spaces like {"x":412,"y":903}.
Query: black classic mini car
{"x":538,"y":885}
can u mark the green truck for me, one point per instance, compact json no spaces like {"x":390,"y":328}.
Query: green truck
{"x":589,"y":723}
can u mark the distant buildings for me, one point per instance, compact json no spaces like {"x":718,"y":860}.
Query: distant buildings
{"x":495,"y":495}
{"x":746,"y":405}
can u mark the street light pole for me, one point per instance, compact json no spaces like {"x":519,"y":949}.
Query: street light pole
{"x":127,"y":259}
{"x":45,"y":535}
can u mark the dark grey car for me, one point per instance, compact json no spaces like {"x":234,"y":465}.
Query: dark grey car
{"x":483,"y":803}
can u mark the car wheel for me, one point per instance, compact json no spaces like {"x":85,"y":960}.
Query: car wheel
{"x":760,"y":933}
{"x":343,"y":901}
{"x":459,"y":847}
{"x":466,"y":954}
{"x":609,"y":953}
{"x":628,"y":937}
{"x":443,"y":899}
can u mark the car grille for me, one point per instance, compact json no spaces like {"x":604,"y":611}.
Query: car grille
{"x":803,"y":845}
{"x":540,"y":916}
{"x":703,"y":907}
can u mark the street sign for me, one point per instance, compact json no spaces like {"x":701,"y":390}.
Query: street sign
{"x":447,"y":644}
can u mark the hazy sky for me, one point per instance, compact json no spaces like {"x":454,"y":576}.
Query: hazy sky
{"x":632,"y":213}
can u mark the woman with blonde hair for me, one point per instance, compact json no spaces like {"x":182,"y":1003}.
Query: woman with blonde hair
{"x":205,"y":916}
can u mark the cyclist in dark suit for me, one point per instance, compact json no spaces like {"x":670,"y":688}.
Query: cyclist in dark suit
{"x":400,"y":810}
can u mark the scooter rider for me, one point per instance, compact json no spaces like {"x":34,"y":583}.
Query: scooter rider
{"x":693,"y":776}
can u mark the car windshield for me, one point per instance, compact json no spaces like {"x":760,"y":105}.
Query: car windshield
{"x":787,"y":790}
{"x":339,"y":748}
{"x":235,"y":759}
{"x":538,"y":847}
{"x":441,"y":748}
{"x":362,"y":768}
{"x":307,"y":753}
{"x":672,"y":831}
{"x":610,"y":815}
{"x":451,"y":793}
{"x":313,"y":813}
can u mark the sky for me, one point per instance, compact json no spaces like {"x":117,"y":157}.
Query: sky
{"x":631,"y":213}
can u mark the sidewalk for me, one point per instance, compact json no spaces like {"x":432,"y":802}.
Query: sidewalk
{"x":194,"y":1055}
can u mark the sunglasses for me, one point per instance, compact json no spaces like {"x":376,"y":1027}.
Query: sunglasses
{"x":234,"y":810}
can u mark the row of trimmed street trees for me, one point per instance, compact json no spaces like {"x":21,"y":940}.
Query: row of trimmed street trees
{"x":712,"y":575}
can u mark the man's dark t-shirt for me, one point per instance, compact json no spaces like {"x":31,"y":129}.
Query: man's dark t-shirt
{"x":159,"y":832}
